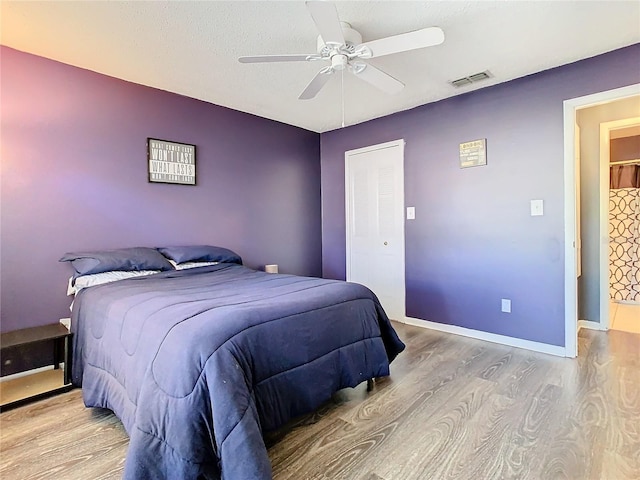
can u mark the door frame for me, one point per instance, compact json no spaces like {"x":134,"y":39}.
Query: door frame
{"x":570,"y":108}
{"x":381,"y":146}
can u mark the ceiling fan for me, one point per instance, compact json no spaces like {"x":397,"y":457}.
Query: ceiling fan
{"x":341,"y":45}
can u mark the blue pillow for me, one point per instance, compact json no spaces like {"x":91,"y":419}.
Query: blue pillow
{"x":122,"y":259}
{"x":200,"y":253}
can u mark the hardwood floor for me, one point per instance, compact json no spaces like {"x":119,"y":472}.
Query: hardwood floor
{"x":453,"y":408}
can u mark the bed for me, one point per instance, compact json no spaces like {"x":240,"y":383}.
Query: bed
{"x":199,"y":363}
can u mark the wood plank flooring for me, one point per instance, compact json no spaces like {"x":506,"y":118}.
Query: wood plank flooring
{"x":453,"y":408}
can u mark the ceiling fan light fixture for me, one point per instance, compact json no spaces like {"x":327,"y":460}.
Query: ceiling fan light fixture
{"x":339,"y":62}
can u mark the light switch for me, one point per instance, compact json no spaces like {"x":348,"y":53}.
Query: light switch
{"x":411,"y":213}
{"x":537,"y":208}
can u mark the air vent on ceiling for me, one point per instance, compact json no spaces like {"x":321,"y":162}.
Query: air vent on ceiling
{"x":476,"y":77}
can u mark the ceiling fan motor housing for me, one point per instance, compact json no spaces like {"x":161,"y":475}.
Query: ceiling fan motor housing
{"x":352,"y":39}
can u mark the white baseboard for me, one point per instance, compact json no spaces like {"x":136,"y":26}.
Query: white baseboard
{"x":590,"y":325}
{"x":488,"y":337}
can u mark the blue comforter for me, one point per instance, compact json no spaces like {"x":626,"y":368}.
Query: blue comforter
{"x":199,"y":363}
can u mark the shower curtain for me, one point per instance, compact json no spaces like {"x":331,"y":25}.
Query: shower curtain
{"x":624,"y":176}
{"x":624,"y":237}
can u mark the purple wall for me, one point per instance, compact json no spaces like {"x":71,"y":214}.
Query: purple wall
{"x":74,"y":177}
{"x":473,"y":241}
{"x":625,"y":148}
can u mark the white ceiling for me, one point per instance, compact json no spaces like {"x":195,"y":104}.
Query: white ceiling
{"x":191,"y":48}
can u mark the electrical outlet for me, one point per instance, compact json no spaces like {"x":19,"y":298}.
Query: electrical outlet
{"x":506,"y":305}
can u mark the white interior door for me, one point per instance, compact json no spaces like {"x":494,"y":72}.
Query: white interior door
{"x":374,"y":184}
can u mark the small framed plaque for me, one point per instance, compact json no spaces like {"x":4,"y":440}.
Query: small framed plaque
{"x":473,"y":153}
{"x":171,"y":162}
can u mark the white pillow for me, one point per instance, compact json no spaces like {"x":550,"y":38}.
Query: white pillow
{"x":85,"y":281}
{"x":186,"y":265}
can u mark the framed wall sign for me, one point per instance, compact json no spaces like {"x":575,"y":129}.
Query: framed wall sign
{"x":473,"y":153}
{"x":171,"y":162}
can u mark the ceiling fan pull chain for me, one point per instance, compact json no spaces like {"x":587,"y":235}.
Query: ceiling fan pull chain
{"x":342,"y":94}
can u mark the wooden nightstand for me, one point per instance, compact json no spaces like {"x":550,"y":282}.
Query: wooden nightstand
{"x":33,"y":386}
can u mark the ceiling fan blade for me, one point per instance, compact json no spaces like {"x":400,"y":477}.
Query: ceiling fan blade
{"x":326,"y":18}
{"x":427,"y":37}
{"x":278,"y":58}
{"x":316,"y":84}
{"x":376,"y":77}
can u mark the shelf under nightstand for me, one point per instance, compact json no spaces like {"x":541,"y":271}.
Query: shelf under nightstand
{"x":32,"y":386}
